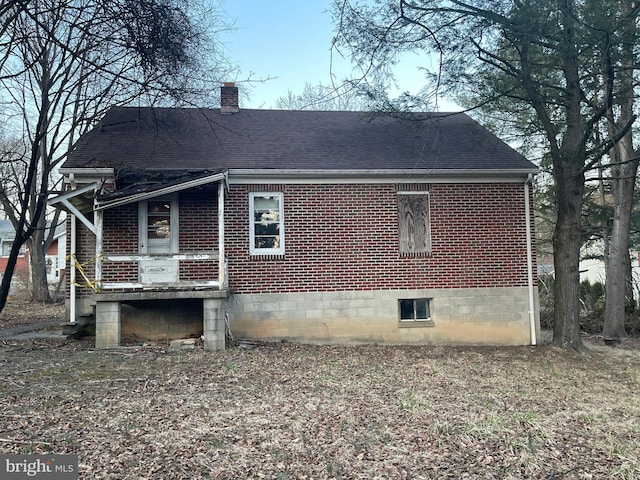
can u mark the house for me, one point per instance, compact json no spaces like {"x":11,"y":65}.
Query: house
{"x":54,"y":256}
{"x":592,"y":267}
{"x":7,"y":235}
{"x":328,"y":227}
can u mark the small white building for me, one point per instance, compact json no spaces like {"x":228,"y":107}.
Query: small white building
{"x":592,"y":265}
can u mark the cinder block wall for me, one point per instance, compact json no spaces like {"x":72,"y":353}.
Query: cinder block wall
{"x":478,"y":316}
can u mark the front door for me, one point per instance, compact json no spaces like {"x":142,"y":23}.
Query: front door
{"x":158,"y":234}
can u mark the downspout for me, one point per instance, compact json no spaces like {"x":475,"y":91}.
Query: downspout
{"x":527,"y":215}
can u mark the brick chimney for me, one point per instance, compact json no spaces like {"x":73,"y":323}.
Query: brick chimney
{"x":229,"y":98}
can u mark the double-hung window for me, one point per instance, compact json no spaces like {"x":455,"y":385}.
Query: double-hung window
{"x":266,"y":223}
{"x":7,"y":244}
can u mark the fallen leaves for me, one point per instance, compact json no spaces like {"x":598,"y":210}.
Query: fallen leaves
{"x":285,"y":411}
{"x":17,"y":312}
{"x":292,"y":411}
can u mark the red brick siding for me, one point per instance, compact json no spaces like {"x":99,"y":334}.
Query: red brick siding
{"x":198,"y":221}
{"x":120,"y":230}
{"x":21,"y":268}
{"x":53,"y":248}
{"x":120,"y":236}
{"x":340,"y":237}
{"x":345,"y":237}
{"x":85,"y":254}
{"x":198,"y":233}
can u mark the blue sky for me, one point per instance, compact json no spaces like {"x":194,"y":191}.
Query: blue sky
{"x":287,"y":39}
{"x":290,"y":41}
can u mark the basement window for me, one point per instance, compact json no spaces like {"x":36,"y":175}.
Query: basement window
{"x":266,"y":223}
{"x":415,"y":311}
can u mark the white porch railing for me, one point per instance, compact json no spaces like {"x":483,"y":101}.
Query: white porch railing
{"x":161,"y":271}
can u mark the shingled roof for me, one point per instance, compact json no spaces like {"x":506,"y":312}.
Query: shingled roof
{"x":205,"y":139}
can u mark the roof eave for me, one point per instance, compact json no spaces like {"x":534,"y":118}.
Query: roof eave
{"x":86,"y":175}
{"x":249,"y":175}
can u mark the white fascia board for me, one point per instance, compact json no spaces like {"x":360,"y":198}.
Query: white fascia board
{"x":86,"y":175}
{"x":137,"y":197}
{"x":249,"y":176}
{"x":83,"y":172}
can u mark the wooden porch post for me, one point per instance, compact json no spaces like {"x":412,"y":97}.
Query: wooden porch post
{"x":72,"y":271}
{"x":97,"y":221}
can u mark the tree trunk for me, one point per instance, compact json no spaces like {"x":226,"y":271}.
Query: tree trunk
{"x":616,"y":279}
{"x":566,"y":247}
{"x":40,"y":285}
{"x":568,"y":174}
{"x":624,"y":168}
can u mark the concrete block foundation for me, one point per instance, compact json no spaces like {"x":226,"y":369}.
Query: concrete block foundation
{"x":471,"y":316}
{"x":108,"y":328}
{"x":160,"y":313}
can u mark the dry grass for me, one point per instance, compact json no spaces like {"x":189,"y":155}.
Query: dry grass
{"x":288,"y":411}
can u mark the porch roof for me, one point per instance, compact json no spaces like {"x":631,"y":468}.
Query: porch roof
{"x":144,"y":185}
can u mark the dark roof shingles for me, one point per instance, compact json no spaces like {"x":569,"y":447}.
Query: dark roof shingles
{"x":173,"y":138}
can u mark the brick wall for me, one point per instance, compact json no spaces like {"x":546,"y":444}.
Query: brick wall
{"x":198,"y":233}
{"x":198,"y":220}
{"x":345,"y":237}
{"x":21,"y":268}
{"x":341,"y":237}
{"x":120,"y":236}
{"x":85,"y":254}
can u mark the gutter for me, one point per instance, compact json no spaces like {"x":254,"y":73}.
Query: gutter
{"x":527,"y":210}
{"x":252,"y":175}
{"x":86,"y":171}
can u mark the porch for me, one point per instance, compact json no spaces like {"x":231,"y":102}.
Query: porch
{"x":152,"y":254}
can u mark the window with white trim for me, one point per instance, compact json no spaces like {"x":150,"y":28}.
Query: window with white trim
{"x":415,"y":310}
{"x":7,"y":244}
{"x":266,"y":223}
{"x":159,"y":225}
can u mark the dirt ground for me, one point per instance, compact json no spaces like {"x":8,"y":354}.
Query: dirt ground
{"x":288,"y":411}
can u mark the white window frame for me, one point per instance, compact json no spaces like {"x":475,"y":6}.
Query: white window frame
{"x":415,"y":320}
{"x":9,"y":243}
{"x":142,"y":223}
{"x":253,"y":250}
